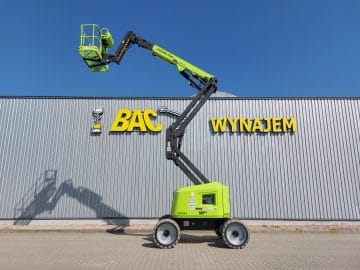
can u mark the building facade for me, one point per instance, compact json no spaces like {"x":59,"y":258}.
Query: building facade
{"x":283,"y":158}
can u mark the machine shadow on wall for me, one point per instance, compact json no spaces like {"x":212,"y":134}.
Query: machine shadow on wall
{"x":44,"y":195}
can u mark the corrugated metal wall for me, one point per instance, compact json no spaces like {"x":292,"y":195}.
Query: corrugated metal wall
{"x":52,"y":167}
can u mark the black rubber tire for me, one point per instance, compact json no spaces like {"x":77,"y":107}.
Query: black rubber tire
{"x":218,"y":232}
{"x":165,"y":216}
{"x":174,"y":228}
{"x":234,"y":243}
{"x":219,"y":229}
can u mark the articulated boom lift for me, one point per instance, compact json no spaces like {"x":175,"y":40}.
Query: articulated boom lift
{"x":206,"y":205}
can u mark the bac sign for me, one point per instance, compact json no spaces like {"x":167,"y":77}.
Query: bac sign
{"x":135,"y":120}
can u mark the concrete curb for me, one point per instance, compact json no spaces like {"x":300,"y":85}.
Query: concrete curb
{"x":303,"y":226}
{"x":124,"y":226}
{"x":76,"y":228}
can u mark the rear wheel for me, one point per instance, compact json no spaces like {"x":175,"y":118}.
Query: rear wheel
{"x":166,"y":233}
{"x":235,"y":234}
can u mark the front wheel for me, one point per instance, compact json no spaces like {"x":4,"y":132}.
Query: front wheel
{"x":166,"y":233}
{"x":235,"y":234}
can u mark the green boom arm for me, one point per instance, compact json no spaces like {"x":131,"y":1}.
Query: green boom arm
{"x":182,"y":65}
{"x":198,"y":78}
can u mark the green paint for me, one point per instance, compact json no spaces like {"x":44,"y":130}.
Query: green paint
{"x":190,"y":202}
{"x":94,"y":42}
{"x":180,"y":63}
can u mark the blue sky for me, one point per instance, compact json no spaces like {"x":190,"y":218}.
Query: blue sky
{"x":254,"y":48}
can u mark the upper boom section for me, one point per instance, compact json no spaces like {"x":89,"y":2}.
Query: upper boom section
{"x":181,"y":64}
{"x":94,"y":52}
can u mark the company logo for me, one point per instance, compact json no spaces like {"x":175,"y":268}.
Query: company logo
{"x":135,"y":120}
{"x":256,"y":125}
{"x":97,"y":114}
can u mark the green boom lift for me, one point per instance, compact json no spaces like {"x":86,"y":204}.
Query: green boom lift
{"x":204,"y":206}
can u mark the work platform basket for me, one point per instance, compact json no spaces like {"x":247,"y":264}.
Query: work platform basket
{"x":94,"y":42}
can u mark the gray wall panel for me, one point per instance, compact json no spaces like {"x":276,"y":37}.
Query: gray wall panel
{"x":312,"y":174}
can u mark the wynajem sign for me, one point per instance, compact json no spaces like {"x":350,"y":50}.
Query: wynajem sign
{"x":128,"y":120}
{"x":255,"y":125}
